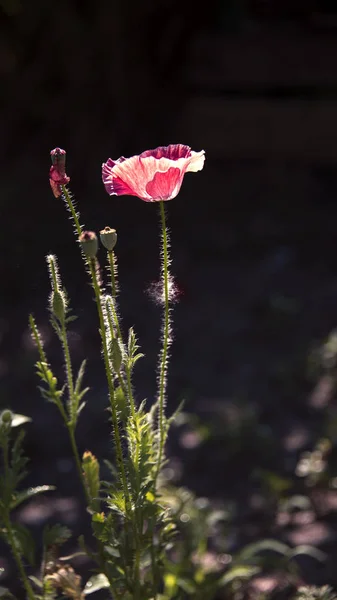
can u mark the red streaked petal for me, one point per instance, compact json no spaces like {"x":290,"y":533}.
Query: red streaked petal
{"x":114,"y":184}
{"x":165,"y":186}
{"x":172,"y":152}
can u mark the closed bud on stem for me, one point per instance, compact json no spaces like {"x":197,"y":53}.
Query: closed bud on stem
{"x":58,"y":158}
{"x":108,"y":238}
{"x":7,"y":417}
{"x":90,"y":466}
{"x":115,"y":354}
{"x":89,"y":243}
{"x":57,"y":173}
{"x":58,"y":305}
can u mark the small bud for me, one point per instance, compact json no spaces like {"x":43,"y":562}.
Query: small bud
{"x":57,"y":173}
{"x":108,"y":238}
{"x":7,"y":417}
{"x":89,"y":243}
{"x":58,"y":305}
{"x":58,"y":157}
{"x":90,"y":466}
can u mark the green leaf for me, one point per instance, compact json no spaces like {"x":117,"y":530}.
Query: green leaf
{"x":55,"y":535}
{"x":37,"y":582}
{"x":27,"y":494}
{"x":239,"y":572}
{"x":132,"y":353}
{"x":251,"y":550}
{"x":24,"y":542}
{"x":80,"y":376}
{"x":96,"y":583}
{"x":5,"y":593}
{"x":308,"y":551}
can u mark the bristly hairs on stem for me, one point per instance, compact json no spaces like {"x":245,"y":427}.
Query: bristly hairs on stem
{"x":166,"y":338}
{"x":70,"y":203}
{"x":113,"y":270}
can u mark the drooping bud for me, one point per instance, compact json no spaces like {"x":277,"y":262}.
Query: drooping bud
{"x":89,"y":243}
{"x":108,"y":238}
{"x":57,"y":173}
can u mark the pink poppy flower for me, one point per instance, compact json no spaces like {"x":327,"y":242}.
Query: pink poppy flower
{"x":154,"y":175}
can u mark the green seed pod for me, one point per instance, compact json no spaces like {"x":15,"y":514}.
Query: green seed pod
{"x":89,"y":243}
{"x":108,"y":238}
{"x":7,"y":417}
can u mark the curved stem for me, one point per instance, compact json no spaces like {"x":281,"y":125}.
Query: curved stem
{"x":165,"y":338}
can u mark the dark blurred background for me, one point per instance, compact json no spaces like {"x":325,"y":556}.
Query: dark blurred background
{"x":254,"y":83}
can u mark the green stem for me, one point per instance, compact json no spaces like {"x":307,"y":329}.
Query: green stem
{"x":69,"y":373}
{"x":92,"y":270}
{"x":72,"y":210}
{"x":165,"y":339}
{"x":18,"y":560}
{"x":74,"y":448}
{"x":128,"y":393}
{"x":10,"y":533}
{"x":119,"y":452}
{"x":111,"y":256}
{"x":110,"y":305}
{"x":111,"y":389}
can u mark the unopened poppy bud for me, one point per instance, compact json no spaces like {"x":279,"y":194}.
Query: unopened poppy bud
{"x":89,"y":243}
{"x":58,"y":305}
{"x":7,"y":417}
{"x":116,"y":354}
{"x":58,"y":157}
{"x":108,"y":238}
{"x":57,"y":173}
{"x":90,"y":466}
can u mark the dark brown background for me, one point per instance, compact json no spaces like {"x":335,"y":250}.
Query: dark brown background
{"x":253,"y":235}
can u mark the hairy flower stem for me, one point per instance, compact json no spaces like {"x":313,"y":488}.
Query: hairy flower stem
{"x":118,"y":444}
{"x":92,"y":270}
{"x":112,"y":267}
{"x":165,"y":339}
{"x":113,"y":406}
{"x":72,"y":210}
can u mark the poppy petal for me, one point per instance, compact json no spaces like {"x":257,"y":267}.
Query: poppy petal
{"x":165,"y":186}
